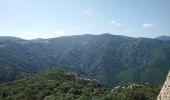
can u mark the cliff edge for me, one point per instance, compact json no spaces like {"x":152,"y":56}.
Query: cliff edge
{"x":165,"y":91}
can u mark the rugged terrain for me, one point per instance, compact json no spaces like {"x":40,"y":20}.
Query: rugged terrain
{"x":113,"y":60}
{"x":165,"y":91}
{"x":63,"y":85}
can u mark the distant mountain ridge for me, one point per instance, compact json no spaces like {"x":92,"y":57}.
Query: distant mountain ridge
{"x":113,"y":60}
{"x":164,"y":38}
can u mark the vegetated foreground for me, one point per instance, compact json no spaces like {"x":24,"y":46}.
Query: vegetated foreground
{"x":64,"y":85}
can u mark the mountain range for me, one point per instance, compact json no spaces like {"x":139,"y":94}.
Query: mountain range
{"x":164,"y":38}
{"x":111,"y":59}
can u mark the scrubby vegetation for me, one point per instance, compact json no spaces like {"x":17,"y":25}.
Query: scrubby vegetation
{"x":62,"y":85}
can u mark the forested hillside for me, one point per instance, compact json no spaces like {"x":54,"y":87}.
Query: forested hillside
{"x":62,"y":85}
{"x":113,"y":60}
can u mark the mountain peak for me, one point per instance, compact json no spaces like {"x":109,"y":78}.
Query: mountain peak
{"x":109,"y":34}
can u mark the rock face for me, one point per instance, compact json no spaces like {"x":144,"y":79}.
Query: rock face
{"x":165,"y":91}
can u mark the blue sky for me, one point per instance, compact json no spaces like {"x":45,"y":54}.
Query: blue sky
{"x":30,"y":19}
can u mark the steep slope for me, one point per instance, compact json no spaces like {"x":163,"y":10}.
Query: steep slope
{"x":62,"y":85}
{"x":165,"y":91}
{"x":111,"y":59}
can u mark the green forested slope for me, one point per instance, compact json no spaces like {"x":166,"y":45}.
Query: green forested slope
{"x":62,"y":85}
{"x":113,"y":60}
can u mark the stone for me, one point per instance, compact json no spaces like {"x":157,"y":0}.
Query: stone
{"x":165,"y":91}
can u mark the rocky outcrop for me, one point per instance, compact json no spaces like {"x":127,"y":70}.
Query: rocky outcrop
{"x":165,"y":91}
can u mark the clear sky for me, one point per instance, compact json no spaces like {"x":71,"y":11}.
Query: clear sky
{"x":30,"y":19}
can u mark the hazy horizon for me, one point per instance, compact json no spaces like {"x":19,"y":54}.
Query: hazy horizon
{"x":83,"y":34}
{"x":30,"y":19}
